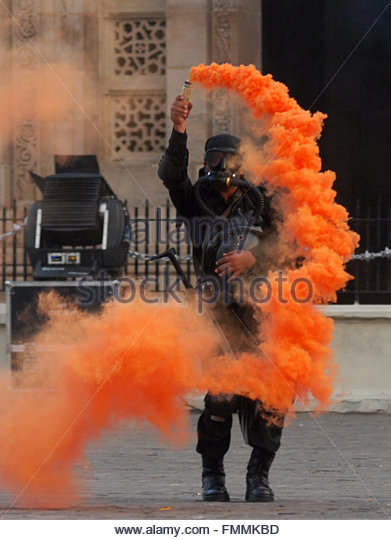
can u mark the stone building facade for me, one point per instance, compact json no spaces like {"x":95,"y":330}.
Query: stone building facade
{"x":98,"y":77}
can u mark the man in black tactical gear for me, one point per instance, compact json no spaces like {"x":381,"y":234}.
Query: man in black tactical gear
{"x":237,"y":319}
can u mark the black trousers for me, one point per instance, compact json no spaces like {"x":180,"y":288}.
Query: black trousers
{"x":214,"y":435}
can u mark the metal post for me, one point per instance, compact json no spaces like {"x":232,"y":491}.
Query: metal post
{"x":146,"y":243}
{"x":4,"y":250}
{"x":167,"y":268}
{"x":136,"y":240}
{"x":158,"y":222}
{"x":24,"y":246}
{"x":14,"y":242}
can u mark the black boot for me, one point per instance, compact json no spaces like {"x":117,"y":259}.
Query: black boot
{"x":257,"y":479}
{"x":213,"y":478}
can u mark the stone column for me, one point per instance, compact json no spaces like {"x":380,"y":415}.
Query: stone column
{"x":188,"y":44}
{"x":53,"y":52}
{"x":205,"y":31}
{"x":69,"y":44}
{"x":235,"y":38}
{"x":5,"y":65}
{"x":24,"y":31}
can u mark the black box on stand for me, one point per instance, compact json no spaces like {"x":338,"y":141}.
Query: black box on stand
{"x":23,"y":320}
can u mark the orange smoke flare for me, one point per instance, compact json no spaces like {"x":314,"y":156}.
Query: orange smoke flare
{"x":296,"y":336}
{"x":133,"y":362}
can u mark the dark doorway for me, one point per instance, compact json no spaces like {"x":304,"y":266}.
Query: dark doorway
{"x":335,"y":57}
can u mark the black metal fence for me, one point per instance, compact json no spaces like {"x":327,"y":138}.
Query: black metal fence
{"x":153,"y":230}
{"x":13,"y":260}
{"x":372,"y":277}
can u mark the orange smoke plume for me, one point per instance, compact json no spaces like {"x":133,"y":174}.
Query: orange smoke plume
{"x":137,"y":361}
{"x":51,"y":102}
{"x":133,"y":362}
{"x":297,"y":360}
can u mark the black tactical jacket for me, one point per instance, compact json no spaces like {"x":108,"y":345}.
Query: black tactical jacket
{"x":173,"y":171}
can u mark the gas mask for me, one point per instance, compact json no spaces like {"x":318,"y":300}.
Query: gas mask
{"x":216,"y":160}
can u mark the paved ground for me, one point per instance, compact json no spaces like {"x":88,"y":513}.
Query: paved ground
{"x":334,"y":467}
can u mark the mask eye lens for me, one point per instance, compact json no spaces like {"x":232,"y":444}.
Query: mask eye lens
{"x":234,"y":162}
{"x":213,"y":159}
{"x":216,"y":160}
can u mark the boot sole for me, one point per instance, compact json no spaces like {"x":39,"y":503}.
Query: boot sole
{"x":265,"y":498}
{"x":223,"y":497}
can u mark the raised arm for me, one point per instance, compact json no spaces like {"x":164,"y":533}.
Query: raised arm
{"x":174,"y":162}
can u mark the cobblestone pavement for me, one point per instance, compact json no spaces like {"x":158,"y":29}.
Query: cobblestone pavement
{"x":336,"y":466}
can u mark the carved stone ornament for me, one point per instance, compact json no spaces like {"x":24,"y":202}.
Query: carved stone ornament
{"x":139,"y":123}
{"x":223,"y":107}
{"x":221,"y":37}
{"x":138,"y":116}
{"x":222,"y":4}
{"x":140,"y":46}
{"x":25,"y":125}
{"x":25,"y":141}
